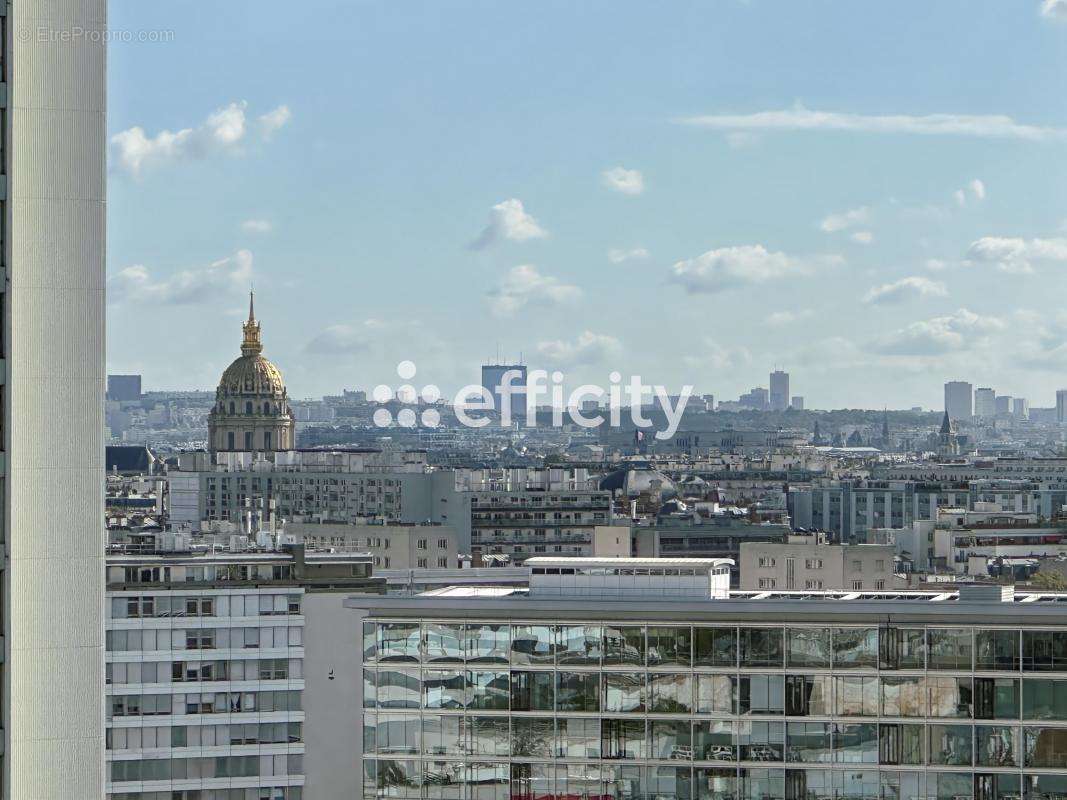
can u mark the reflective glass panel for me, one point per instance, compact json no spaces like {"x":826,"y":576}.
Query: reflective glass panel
{"x":1046,"y":747}
{"x":715,"y":783}
{"x":370,"y":641}
{"x":443,"y":643}
{"x":713,"y":740}
{"x":1045,"y":651}
{"x":949,"y":786}
{"x":855,"y":648}
{"x":443,"y":735}
{"x":399,"y":779}
{"x":996,"y":698}
{"x":761,"y":647}
{"x":670,"y":645}
{"x":488,"y":644}
{"x":398,"y":733}
{"x":444,"y":780}
{"x":1044,"y":698}
{"x":623,"y":738}
{"x":398,"y":641}
{"x":444,"y":688}
{"x":856,"y":743}
{"x":902,"y":648}
{"x":808,"y":742}
{"x":949,"y":648}
{"x":532,"y":691}
{"x":904,"y":696}
{"x":715,"y":647}
{"x":669,"y":783}
{"x":487,"y":781}
{"x":716,"y":694}
{"x":950,"y":745}
{"x":760,"y":741}
{"x":808,"y":647}
{"x":950,"y":697}
{"x":1045,"y":787}
{"x":624,"y":692}
{"x":488,"y":690}
{"x":671,"y":739}
{"x":579,"y":644}
{"x":577,"y":737}
{"x":398,"y":688}
{"x":902,"y":744}
{"x":856,"y":696}
{"x":532,"y":737}
{"x":808,"y":695}
{"x":762,"y":784}
{"x":624,"y":645}
{"x":672,"y":693}
{"x":761,"y":694}
{"x":577,"y":691}
{"x":996,"y":746}
{"x":533,"y":644}
{"x":996,"y":650}
{"x":489,"y":736}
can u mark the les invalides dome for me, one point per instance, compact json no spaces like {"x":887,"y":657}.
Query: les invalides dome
{"x":251,"y":410}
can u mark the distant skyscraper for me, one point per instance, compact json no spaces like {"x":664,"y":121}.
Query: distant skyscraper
{"x":756,"y":398}
{"x":1061,"y":405}
{"x":797,"y":403}
{"x":496,"y":375}
{"x":124,"y":388}
{"x":1004,"y":405}
{"x":985,"y":403}
{"x":779,"y":390}
{"x":1020,"y":408}
{"x":958,"y":398}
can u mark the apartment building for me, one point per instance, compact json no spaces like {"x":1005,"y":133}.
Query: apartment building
{"x":391,"y":546}
{"x":209,"y":695}
{"x":805,"y":563}
{"x":907,"y":695}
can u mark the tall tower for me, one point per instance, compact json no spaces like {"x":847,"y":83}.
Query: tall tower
{"x":779,"y":390}
{"x":959,"y":396}
{"x":251,"y":411}
{"x":52,"y":470}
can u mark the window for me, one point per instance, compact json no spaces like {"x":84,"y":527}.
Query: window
{"x":248,"y":408}
{"x":248,"y":441}
{"x":420,"y":544}
{"x":442,"y":544}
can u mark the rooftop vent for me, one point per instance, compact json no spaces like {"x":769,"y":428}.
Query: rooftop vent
{"x":986,"y":593}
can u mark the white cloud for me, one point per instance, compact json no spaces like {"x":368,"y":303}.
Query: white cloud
{"x":256,"y":226}
{"x":958,"y":331}
{"x":224,"y":131}
{"x":974,"y":190}
{"x":1054,"y":9}
{"x":618,"y":255}
{"x":911,"y":288}
{"x":716,"y":356}
{"x":223,"y":277}
{"x":588,"y":348}
{"x":627,"y":181}
{"x":728,"y":267}
{"x":989,"y":126}
{"x":508,"y":220}
{"x":833,"y":223}
{"x":862,"y":237}
{"x":343,"y":339}
{"x":936,"y":264}
{"x":274,"y":120}
{"x":523,"y":286}
{"x":779,"y":318}
{"x":1015,"y":254}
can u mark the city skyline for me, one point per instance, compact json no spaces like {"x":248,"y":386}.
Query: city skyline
{"x":864,"y":222}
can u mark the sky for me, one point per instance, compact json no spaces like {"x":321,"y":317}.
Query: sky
{"x":872,"y":197}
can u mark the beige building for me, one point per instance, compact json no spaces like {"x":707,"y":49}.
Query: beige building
{"x":803,"y":564}
{"x":251,"y":410}
{"x":393,"y":546}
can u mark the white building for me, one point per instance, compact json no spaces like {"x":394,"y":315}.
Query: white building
{"x":391,"y":546}
{"x":52,"y":278}
{"x":803,"y":563}
{"x":985,"y":403}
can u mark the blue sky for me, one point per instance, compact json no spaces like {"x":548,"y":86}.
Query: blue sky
{"x":872,"y":197}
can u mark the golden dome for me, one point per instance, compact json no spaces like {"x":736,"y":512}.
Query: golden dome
{"x":252,"y":375}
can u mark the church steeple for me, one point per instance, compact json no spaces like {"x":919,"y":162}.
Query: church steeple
{"x":251,"y":345}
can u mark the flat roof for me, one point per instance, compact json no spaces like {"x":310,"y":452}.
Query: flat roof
{"x":589,"y":561}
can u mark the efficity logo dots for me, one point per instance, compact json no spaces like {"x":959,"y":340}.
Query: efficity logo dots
{"x":406,"y":395}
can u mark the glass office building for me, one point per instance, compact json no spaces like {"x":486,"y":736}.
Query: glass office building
{"x":755,"y":697}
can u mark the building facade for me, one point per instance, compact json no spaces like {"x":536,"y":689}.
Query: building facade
{"x":959,"y":400}
{"x":840,"y":697}
{"x":391,"y":546}
{"x":206,"y":679}
{"x":52,"y":280}
{"x":803,"y":563}
{"x":985,"y":403}
{"x":779,"y":394}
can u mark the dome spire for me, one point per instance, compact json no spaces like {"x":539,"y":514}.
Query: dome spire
{"x":251,"y":345}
